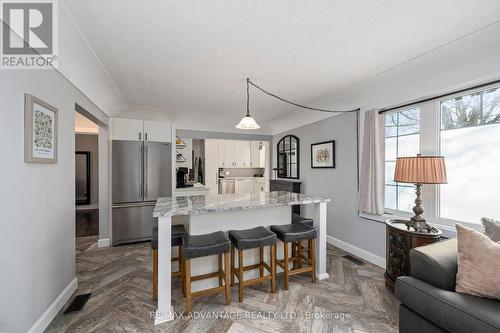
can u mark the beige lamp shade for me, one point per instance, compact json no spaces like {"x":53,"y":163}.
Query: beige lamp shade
{"x":420,"y":170}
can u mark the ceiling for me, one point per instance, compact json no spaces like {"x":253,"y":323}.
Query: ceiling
{"x":190,"y":59}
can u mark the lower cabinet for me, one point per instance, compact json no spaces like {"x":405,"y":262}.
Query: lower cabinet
{"x":244,"y":185}
{"x":213,"y":186}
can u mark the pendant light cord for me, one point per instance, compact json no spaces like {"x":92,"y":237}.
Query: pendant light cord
{"x":248,"y":97}
{"x":289,"y":102}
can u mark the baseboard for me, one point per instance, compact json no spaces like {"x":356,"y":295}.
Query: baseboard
{"x":358,"y":252}
{"x":105,"y":242}
{"x":43,"y":322}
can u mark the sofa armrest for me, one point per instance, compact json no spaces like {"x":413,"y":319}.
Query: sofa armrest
{"x":436,"y":264}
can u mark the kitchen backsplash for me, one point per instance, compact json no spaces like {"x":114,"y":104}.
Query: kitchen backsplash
{"x":242,"y":172}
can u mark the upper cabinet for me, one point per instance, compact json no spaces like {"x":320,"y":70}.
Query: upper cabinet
{"x":141,"y":130}
{"x":288,"y":157}
{"x":237,"y":154}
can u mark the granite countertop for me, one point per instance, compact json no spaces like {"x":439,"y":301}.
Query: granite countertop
{"x":195,"y":205}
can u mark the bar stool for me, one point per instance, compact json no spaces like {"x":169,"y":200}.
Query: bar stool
{"x":178,"y":232}
{"x":249,"y":239}
{"x":203,"y":246}
{"x":298,"y":248}
{"x":296,"y":232}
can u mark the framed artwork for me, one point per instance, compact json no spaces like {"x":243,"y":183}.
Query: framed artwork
{"x":40,"y":131}
{"x":323,"y":154}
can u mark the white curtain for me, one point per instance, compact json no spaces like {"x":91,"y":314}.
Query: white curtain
{"x":371,"y":190}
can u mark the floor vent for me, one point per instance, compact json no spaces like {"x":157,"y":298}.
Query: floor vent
{"x":77,"y":304}
{"x":354,"y":259}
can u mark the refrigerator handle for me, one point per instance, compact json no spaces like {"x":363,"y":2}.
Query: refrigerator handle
{"x":141,"y":172}
{"x":145,"y":171}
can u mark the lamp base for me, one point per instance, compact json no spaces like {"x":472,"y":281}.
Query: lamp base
{"x":421,"y":225}
{"x":418,"y":221}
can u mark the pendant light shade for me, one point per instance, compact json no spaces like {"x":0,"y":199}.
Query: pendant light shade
{"x":247,"y":122}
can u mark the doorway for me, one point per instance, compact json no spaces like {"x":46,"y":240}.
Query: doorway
{"x":86,"y":177}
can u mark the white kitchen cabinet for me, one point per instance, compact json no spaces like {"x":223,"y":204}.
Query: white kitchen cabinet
{"x":127,"y":129}
{"x":255,"y":154}
{"x":243,"y":185}
{"x":213,"y":186}
{"x":259,"y":184}
{"x":140,"y":130}
{"x":211,"y":159}
{"x":157,"y":131}
{"x":241,"y":153}
{"x":229,"y":154}
{"x":221,"y":154}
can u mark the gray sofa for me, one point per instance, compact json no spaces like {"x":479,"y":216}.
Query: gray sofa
{"x":429,"y":302}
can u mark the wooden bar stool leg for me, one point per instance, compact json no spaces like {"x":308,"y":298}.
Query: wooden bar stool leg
{"x":299,"y":254}
{"x":273,"y":268}
{"x":220,"y":269}
{"x":294,"y":254}
{"x":232,"y":268}
{"x":227,"y":269}
{"x":240,"y":275}
{"x":285,"y":263}
{"x":187,"y":278}
{"x":155,"y":274}
{"x":261,"y":262}
{"x":312,"y":249}
{"x":182,"y":269}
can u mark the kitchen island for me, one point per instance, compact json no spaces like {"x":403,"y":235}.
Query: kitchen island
{"x":212,"y":213}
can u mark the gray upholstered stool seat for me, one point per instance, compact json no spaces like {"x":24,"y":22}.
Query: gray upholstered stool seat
{"x":296,"y":218}
{"x":178,"y":231}
{"x":294,"y":232}
{"x":206,"y":245}
{"x":252,"y":238}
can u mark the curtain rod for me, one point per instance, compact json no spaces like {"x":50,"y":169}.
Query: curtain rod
{"x":423,"y":100}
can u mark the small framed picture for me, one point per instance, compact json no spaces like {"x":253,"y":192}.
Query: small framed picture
{"x":40,"y":131}
{"x":323,"y":154}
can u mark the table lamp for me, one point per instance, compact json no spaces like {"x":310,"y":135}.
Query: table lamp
{"x":420,"y":170}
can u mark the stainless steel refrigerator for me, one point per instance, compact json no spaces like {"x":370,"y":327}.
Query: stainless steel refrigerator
{"x":141,"y":174}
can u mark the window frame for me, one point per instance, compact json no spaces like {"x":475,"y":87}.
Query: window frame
{"x":430,"y":144}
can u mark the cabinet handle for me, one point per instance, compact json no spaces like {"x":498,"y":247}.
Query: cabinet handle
{"x":146,"y":136}
{"x":140,"y":136}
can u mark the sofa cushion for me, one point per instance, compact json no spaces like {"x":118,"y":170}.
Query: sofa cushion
{"x":452,"y":311}
{"x":478,"y":264}
{"x":435,"y":264}
{"x":491,"y":228}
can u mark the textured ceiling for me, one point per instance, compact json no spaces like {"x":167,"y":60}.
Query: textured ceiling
{"x":191,"y":58}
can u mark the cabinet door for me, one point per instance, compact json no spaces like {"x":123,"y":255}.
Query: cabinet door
{"x":221,"y":154}
{"x":157,"y":131}
{"x":263,"y":154}
{"x":127,"y":129}
{"x":211,"y":159}
{"x":239,"y":186}
{"x":255,"y":154}
{"x":249,"y":185}
{"x":213,"y":186}
{"x":245,"y":151}
{"x":229,"y":153}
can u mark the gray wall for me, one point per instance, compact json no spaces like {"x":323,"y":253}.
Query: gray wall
{"x":339,"y":184}
{"x":88,"y":142}
{"x":37,"y":201}
{"x":221,"y":135}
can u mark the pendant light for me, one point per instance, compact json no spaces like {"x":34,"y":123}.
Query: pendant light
{"x":247,"y":122}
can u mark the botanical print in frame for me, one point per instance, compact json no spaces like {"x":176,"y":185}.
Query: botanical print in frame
{"x":323,"y":154}
{"x":40,"y":131}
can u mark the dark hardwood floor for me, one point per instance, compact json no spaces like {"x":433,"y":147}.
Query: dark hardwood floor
{"x":87,"y":223}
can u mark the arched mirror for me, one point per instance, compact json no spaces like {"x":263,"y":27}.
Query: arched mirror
{"x":288,"y":157}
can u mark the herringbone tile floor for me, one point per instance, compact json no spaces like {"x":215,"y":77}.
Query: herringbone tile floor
{"x":353,"y":299}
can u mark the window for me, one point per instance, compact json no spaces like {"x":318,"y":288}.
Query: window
{"x":470,"y":141}
{"x":465,"y":129}
{"x":402,"y":138}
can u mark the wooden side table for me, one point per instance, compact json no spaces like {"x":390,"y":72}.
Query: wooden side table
{"x":400,"y":240}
